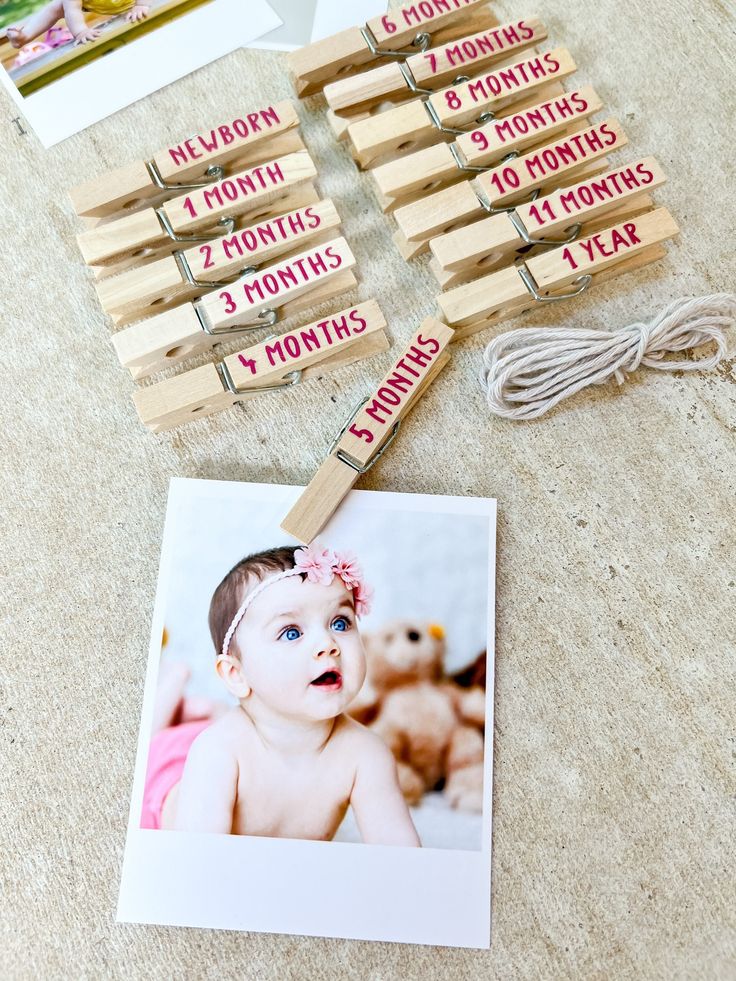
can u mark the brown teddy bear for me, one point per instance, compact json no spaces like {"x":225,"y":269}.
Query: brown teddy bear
{"x":433,"y":726}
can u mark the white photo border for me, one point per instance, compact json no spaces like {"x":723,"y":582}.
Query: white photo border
{"x":103,"y":87}
{"x":327,"y":889}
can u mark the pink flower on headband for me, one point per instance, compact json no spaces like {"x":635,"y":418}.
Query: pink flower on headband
{"x":321,"y":565}
{"x":316,"y":563}
{"x":347,"y":568}
{"x":363,"y":598}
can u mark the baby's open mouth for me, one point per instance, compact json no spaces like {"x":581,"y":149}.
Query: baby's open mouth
{"x":330,"y":680}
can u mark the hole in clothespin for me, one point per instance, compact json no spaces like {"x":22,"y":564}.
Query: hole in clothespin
{"x":133,"y":203}
{"x":140,"y":253}
{"x":406,"y":145}
{"x":432,"y":184}
{"x":175,"y":352}
{"x":487,"y":259}
{"x":162,"y":299}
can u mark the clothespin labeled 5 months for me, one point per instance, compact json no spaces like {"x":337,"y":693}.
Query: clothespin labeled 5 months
{"x":274,"y":364}
{"x":196,"y":162}
{"x":370,"y":429}
{"x":254,"y":301}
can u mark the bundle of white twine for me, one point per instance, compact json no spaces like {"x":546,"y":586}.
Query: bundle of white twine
{"x":528,"y":371}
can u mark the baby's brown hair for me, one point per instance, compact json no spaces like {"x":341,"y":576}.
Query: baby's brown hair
{"x":228,"y":596}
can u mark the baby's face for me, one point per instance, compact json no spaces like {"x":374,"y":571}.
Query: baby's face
{"x":300,"y":648}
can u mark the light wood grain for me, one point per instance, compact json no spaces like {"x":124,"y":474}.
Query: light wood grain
{"x":547,"y":216}
{"x":434,"y":68}
{"x":370,"y":429}
{"x":323,"y":346}
{"x":141,"y":233}
{"x":159,"y":285}
{"x":502,"y":293}
{"x":132,"y":183}
{"x":174,"y":337}
{"x":415,"y":174}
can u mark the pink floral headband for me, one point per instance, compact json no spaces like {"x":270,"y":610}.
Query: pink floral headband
{"x":319,"y":565}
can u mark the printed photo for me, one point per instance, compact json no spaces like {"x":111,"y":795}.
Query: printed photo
{"x":69,"y":63}
{"x":336,"y":696}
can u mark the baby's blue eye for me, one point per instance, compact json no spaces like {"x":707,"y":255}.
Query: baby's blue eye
{"x":341,"y":624}
{"x":291,"y":633}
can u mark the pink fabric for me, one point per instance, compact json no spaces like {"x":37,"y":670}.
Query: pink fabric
{"x":166,"y":758}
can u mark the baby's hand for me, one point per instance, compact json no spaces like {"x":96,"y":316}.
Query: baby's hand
{"x":88,"y":34}
{"x":139,"y":12}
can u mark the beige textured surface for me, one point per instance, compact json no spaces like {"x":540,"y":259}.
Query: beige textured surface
{"x":614,"y":757}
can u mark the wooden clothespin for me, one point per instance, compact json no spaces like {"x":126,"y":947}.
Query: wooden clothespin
{"x":563,"y":272}
{"x":370,"y":429}
{"x":413,"y":24}
{"x":556,"y":219}
{"x":549,"y":165}
{"x":422,"y":122}
{"x":424,"y":72}
{"x":197,"y":161}
{"x":199,"y":215}
{"x":159,"y":285}
{"x":447,"y":163}
{"x":272,"y":365}
{"x":254,"y":301}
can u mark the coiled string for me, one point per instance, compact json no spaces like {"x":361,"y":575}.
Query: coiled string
{"x":527,"y":372}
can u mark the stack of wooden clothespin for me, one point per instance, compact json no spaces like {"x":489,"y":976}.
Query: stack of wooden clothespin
{"x":222,"y":235}
{"x":484,"y":159}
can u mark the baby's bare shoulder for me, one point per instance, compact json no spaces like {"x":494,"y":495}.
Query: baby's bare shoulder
{"x":361,"y":741}
{"x":223,"y":734}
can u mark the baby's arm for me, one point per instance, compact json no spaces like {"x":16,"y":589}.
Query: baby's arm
{"x":378,"y":804}
{"x":208,"y":787}
{"x":76,"y":22}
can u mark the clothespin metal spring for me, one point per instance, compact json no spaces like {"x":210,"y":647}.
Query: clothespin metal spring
{"x":227,"y":225}
{"x":532,"y":286}
{"x":343,"y":457}
{"x":420,"y":43}
{"x":213,"y":174}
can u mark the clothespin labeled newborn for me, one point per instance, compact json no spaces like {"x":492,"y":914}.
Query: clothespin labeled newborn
{"x":556,"y":219}
{"x":561,"y":273}
{"x":483,"y":148}
{"x":197,"y":161}
{"x":551,"y":165}
{"x":438,"y":118}
{"x":199,"y":215}
{"x":254,"y":301}
{"x":157,"y":286}
{"x":426,"y":71}
{"x":272,"y":365}
{"x":370,"y":429}
{"x":412,"y":25}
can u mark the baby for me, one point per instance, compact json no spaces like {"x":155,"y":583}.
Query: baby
{"x":288,"y":761}
{"x":72,"y":12}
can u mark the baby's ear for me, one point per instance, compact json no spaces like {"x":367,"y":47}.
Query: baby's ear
{"x":231,"y":673}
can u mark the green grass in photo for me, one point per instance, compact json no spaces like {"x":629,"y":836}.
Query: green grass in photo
{"x":15,"y":11}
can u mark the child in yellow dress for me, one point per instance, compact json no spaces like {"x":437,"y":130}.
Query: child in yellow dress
{"x":73,"y":13}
